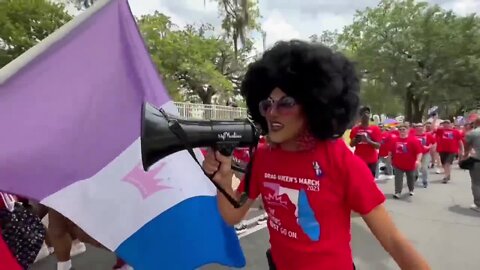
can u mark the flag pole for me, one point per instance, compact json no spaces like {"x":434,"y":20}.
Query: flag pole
{"x":24,"y":59}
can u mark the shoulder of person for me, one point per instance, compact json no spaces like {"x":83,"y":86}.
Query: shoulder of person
{"x":337,"y":153}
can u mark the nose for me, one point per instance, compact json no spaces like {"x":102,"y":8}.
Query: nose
{"x":272,"y":112}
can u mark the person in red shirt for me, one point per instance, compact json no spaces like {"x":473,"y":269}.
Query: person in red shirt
{"x":406,"y":153}
{"x":383,"y":154}
{"x":427,"y":140}
{"x":305,"y":96}
{"x":449,"y":144}
{"x":366,"y":139}
{"x":7,"y":259}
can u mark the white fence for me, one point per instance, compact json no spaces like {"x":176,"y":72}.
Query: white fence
{"x":211,"y":112}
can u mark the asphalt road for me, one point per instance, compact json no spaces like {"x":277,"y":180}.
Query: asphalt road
{"x":437,"y":220}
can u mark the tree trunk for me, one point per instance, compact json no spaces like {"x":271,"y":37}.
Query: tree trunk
{"x":408,"y":104}
{"x":206,"y":97}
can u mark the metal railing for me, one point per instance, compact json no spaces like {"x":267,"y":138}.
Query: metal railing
{"x":210,"y":112}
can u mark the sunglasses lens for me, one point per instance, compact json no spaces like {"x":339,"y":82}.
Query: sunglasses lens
{"x":282,"y":106}
{"x":264,"y":106}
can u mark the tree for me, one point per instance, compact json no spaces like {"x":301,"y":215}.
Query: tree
{"x":25,"y":23}
{"x":195,"y":64}
{"x":327,"y":38}
{"x":239,"y":17}
{"x":416,"y":51}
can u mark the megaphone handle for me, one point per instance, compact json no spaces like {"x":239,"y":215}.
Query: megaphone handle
{"x":225,"y":148}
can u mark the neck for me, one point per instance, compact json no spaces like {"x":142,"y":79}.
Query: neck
{"x":364,"y":124}
{"x":403,"y":136}
{"x":303,"y":142}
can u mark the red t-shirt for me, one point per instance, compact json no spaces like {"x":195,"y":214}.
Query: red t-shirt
{"x":308,"y":197}
{"x":384,"y":144}
{"x":405,"y":152}
{"x":241,"y":155}
{"x":448,"y":140}
{"x":7,"y":260}
{"x":412,"y":132}
{"x":425,"y":139}
{"x":364,"y":150}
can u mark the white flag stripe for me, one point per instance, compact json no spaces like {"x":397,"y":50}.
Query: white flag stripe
{"x":111,"y":200}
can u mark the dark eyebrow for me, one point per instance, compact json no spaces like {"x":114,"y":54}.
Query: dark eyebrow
{"x":272,"y":99}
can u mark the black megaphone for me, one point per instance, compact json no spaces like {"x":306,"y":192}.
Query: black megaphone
{"x":163,"y":134}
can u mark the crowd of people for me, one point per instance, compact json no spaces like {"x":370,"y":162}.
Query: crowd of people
{"x":411,"y":150}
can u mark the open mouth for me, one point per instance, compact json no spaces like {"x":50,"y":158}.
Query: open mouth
{"x":275,"y":126}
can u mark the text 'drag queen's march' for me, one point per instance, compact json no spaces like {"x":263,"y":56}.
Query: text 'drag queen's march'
{"x":310,"y":184}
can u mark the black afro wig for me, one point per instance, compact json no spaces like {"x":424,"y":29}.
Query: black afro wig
{"x":322,"y":81}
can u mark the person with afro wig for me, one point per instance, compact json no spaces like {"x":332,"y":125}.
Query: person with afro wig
{"x":304,"y":96}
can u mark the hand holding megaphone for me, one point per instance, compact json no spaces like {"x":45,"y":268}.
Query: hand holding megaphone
{"x":219,"y":167}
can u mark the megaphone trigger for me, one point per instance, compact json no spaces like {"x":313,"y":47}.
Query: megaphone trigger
{"x":225,"y":148}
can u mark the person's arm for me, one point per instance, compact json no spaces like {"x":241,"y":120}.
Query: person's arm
{"x":364,"y":197}
{"x":373,"y":143}
{"x":392,"y":240}
{"x":462,"y":148}
{"x":418,"y":161}
{"x":230,"y":214}
{"x":375,"y":139}
{"x":419,"y":150}
{"x":221,"y":167}
{"x":467,"y":146}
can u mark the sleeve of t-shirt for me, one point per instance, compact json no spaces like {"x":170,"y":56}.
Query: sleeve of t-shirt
{"x":362,"y":193}
{"x":254,"y":186}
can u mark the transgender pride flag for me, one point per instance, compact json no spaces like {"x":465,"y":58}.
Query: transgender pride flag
{"x":70,"y":111}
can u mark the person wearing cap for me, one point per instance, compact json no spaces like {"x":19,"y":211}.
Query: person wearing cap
{"x":366,"y":139}
{"x":449,"y":144}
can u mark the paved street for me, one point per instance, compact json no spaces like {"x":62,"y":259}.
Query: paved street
{"x":437,"y":220}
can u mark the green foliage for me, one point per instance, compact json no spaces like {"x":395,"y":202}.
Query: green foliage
{"x":194,"y":63}
{"x":418,"y":52}
{"x":25,"y":23}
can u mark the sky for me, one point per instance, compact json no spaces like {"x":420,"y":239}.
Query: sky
{"x":281,"y":19}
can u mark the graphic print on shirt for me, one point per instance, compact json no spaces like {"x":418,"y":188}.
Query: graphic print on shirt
{"x":422,"y":140}
{"x":448,"y":135}
{"x":295,"y":201}
{"x":401,"y":147}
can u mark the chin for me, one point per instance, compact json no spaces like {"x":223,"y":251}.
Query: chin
{"x":275,"y":138}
